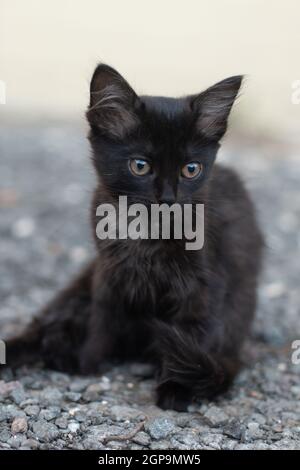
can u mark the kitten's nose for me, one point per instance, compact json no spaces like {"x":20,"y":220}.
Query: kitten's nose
{"x":168,"y":201}
{"x":167,"y":196}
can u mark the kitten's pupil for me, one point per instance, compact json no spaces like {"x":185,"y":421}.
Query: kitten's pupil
{"x":191,"y":168}
{"x":140,"y":164}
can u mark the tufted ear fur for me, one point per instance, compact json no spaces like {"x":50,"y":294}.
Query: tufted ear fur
{"x":213,"y":107}
{"x":113,"y":103}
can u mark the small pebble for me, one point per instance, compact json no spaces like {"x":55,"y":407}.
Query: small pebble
{"x":160,"y":427}
{"x":216,"y":416}
{"x":19,"y":425}
{"x":23,"y":228}
{"x":73,"y":426}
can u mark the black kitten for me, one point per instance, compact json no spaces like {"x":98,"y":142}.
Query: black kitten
{"x":187,"y":311}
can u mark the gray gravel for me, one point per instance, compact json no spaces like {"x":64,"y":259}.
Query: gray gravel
{"x":45,"y":186}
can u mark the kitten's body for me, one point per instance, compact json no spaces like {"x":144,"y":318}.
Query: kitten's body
{"x":186,"y":311}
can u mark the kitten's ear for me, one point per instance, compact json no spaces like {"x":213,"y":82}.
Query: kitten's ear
{"x":213,"y":107}
{"x":112,"y":103}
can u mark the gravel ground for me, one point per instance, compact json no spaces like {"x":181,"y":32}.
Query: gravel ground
{"x":45,"y":186}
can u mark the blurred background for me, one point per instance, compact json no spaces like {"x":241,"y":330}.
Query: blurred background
{"x":48,"y":51}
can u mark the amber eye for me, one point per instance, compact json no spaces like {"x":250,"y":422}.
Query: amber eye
{"x":139,"y":167}
{"x":191,"y":170}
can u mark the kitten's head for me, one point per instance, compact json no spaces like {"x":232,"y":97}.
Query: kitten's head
{"x":155,"y":149}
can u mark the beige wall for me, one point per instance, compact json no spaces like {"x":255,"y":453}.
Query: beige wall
{"x":48,"y":49}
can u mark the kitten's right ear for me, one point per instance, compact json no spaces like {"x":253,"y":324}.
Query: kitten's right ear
{"x":113,"y":103}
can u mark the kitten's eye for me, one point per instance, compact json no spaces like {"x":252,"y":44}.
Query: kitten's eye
{"x":191,"y":170}
{"x":139,"y":167}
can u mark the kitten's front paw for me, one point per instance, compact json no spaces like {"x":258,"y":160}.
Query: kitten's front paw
{"x":92,"y":361}
{"x":172,"y":396}
{"x":88,"y":364}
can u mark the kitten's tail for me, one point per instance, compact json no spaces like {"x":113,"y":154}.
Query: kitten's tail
{"x":186,"y":361}
{"x":24,"y":348}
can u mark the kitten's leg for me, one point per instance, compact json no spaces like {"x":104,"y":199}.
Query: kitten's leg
{"x":56,"y":335}
{"x":99,"y":344}
{"x":102,"y":327}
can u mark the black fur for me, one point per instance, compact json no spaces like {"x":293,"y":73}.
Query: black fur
{"x":187,"y":311}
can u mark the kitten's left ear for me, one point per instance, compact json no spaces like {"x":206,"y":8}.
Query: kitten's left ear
{"x":112,"y":103}
{"x":213,"y":107}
